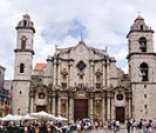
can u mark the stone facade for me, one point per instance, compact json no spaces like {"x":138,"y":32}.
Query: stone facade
{"x":83,"y":81}
{"x":23,"y":65}
{"x":2,"y":73}
{"x":142,"y":66}
{"x":5,"y":98}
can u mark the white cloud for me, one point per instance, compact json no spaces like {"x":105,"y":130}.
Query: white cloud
{"x":122,"y":53}
{"x":106,"y":21}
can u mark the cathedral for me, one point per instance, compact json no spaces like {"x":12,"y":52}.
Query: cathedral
{"x":84,"y":82}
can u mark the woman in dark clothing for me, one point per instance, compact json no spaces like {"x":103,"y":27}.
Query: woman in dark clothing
{"x":128,"y":126}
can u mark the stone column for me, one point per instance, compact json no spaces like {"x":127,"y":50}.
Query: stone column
{"x":104,"y":73}
{"x":58,"y":72}
{"x":49,"y":103}
{"x":91,"y":108}
{"x":59,"y":106}
{"x":70,"y":73}
{"x":112,"y":107}
{"x":53,"y":104}
{"x":71,"y":108}
{"x":129,"y":101}
{"x":108,"y":73}
{"x":67,"y":109}
{"x":92,"y":74}
{"x":103,"y":108}
{"x":54,"y":72}
{"x":68,"y":82}
{"x":31,"y":104}
{"x":108,"y":106}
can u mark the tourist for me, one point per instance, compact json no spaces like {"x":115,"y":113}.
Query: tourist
{"x":134,"y":126}
{"x":43,"y":128}
{"x":96,"y":124}
{"x":128,"y":126}
{"x":150,"y":126}
{"x":140,"y":124}
{"x":118,"y":125}
{"x":145,"y":126}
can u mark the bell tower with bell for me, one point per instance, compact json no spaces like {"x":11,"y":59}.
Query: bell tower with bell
{"x":142,"y":66}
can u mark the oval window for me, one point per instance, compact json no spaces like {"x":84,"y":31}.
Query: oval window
{"x":41,"y":95}
{"x":119,"y":97}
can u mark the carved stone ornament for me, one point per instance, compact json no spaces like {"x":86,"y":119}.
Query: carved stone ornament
{"x":64,"y":72}
{"x":81,"y":74}
{"x":98,"y":73}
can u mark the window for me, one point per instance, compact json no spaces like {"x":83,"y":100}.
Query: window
{"x":98,"y":85}
{"x":20,"y":92}
{"x":18,"y":111}
{"x":24,"y":23}
{"x":81,"y":65}
{"x":64,"y":85}
{"x":119,"y":97}
{"x":144,"y":71}
{"x":23,"y":42}
{"x":141,"y":27}
{"x":146,"y":108}
{"x":145,"y":95}
{"x":142,"y":43}
{"x":21,"y":68}
{"x":41,"y":95}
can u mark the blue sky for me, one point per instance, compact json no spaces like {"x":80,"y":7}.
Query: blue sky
{"x":104,"y":23}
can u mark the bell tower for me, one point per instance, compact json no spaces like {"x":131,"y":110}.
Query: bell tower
{"x":23,"y":65}
{"x":142,"y":66}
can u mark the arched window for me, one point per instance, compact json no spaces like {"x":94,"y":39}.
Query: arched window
{"x":141,"y":27}
{"x":24,"y":23}
{"x":144,"y":71}
{"x":23,"y":42}
{"x":21,"y":68}
{"x":143,"y":43}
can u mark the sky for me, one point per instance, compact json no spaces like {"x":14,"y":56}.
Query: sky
{"x":103,"y":24}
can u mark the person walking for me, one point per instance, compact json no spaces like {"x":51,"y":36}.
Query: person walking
{"x":128,"y":126}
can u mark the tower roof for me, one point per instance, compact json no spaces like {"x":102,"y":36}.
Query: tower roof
{"x":139,"y":25}
{"x":26,"y":23}
{"x":139,"y":18}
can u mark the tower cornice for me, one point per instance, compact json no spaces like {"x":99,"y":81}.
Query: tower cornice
{"x":138,"y":31}
{"x":136,"y":53}
{"x":25,"y":50}
{"x":29,"y":28}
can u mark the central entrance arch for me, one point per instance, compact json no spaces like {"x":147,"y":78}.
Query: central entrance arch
{"x":80,"y":109}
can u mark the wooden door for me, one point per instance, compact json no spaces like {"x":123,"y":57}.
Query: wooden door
{"x":80,"y":109}
{"x":120,"y":114}
{"x":41,"y":108}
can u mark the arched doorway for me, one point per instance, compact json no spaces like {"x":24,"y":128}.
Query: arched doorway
{"x":120,"y":114}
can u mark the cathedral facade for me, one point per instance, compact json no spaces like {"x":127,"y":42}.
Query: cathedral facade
{"x":84,"y":82}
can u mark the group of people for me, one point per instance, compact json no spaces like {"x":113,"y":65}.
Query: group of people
{"x":79,"y":126}
{"x":134,"y":126}
{"x":30,"y":127}
{"x":147,"y":126}
{"x":114,"y":125}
